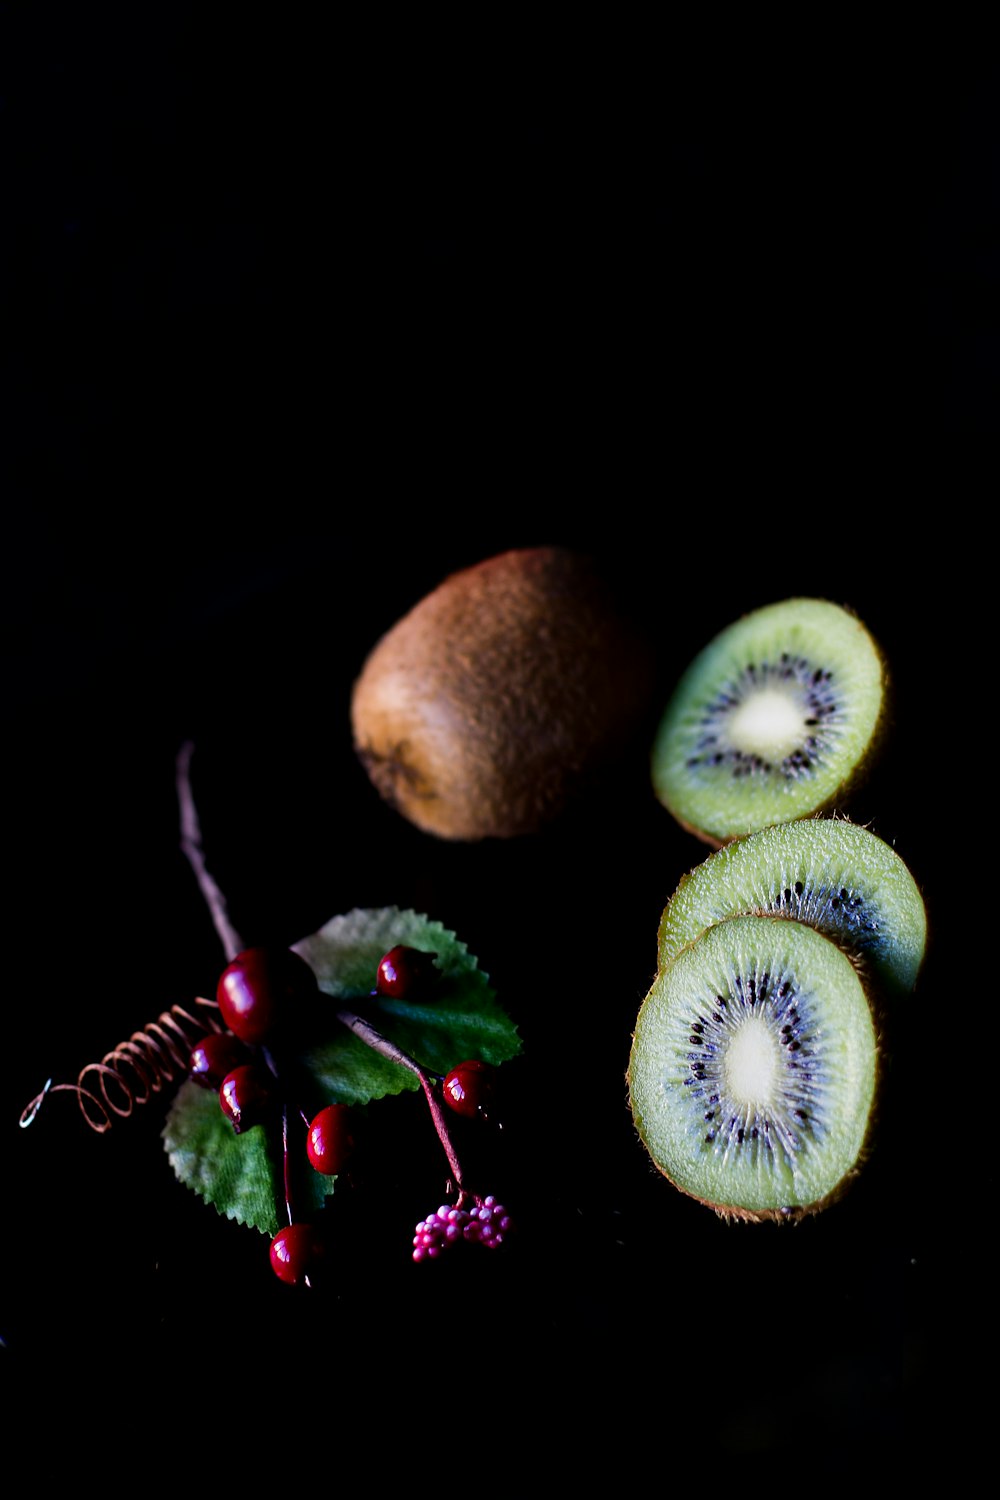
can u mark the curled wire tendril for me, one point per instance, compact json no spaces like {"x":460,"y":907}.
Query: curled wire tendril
{"x":136,"y":1069}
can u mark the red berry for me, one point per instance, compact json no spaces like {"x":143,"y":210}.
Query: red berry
{"x":215,"y":1056}
{"x":330,"y":1143}
{"x":469,"y":1087}
{"x":405,"y":971}
{"x":296,"y":1253}
{"x":262,"y":988}
{"x":245,"y":1096}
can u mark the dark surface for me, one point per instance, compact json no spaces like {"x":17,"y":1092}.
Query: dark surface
{"x":283,"y":360}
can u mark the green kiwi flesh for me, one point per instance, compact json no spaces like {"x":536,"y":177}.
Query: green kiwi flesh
{"x":503,"y":695}
{"x":836,"y":876}
{"x":775,"y":719}
{"x":753,"y":1066}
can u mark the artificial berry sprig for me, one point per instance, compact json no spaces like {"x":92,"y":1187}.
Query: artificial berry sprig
{"x":250,"y":1043}
{"x":259,"y":987}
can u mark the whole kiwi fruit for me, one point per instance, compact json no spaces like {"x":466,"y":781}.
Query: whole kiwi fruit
{"x":503,"y":695}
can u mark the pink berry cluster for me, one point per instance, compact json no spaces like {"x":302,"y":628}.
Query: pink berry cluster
{"x":486,"y":1223}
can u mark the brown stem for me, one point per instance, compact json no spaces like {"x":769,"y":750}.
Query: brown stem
{"x":287,"y":1108}
{"x":231,"y":941}
{"x":389,"y":1050}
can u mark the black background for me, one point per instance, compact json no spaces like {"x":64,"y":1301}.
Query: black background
{"x":299,"y":325}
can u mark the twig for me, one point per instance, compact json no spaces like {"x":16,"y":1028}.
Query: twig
{"x":191,"y":845}
{"x":389,"y":1050}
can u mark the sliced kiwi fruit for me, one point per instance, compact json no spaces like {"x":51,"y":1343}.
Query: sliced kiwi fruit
{"x":503,"y":695}
{"x":777,"y":718}
{"x":753,"y":1068}
{"x":834,"y":875}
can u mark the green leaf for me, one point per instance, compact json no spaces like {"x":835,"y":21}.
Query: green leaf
{"x":241,"y":1174}
{"x":458,"y":1018}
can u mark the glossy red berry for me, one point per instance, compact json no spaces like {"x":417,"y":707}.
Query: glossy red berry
{"x":296,"y":1253}
{"x":405,"y":971}
{"x":470,"y":1087}
{"x":245,"y":1096}
{"x":215,"y":1056}
{"x":330,"y":1143}
{"x":263,"y":988}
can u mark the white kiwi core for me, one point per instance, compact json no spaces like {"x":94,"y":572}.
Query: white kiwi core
{"x":773,"y":720}
{"x":768,"y":723}
{"x":751,"y":1064}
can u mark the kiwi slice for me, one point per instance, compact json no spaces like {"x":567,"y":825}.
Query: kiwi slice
{"x":775,"y":719}
{"x":833,"y":875}
{"x":752,"y":1072}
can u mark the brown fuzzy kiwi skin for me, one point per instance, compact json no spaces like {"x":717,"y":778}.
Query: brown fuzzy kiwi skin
{"x":502,"y":695}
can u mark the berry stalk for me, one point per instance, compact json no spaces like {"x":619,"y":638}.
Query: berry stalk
{"x":287,"y":1109}
{"x":381,"y":1044}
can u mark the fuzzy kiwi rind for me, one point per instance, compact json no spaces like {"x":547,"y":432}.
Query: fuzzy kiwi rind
{"x":779,"y":717}
{"x":832,"y":874}
{"x":753,"y":1070}
{"x":504,"y":695}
